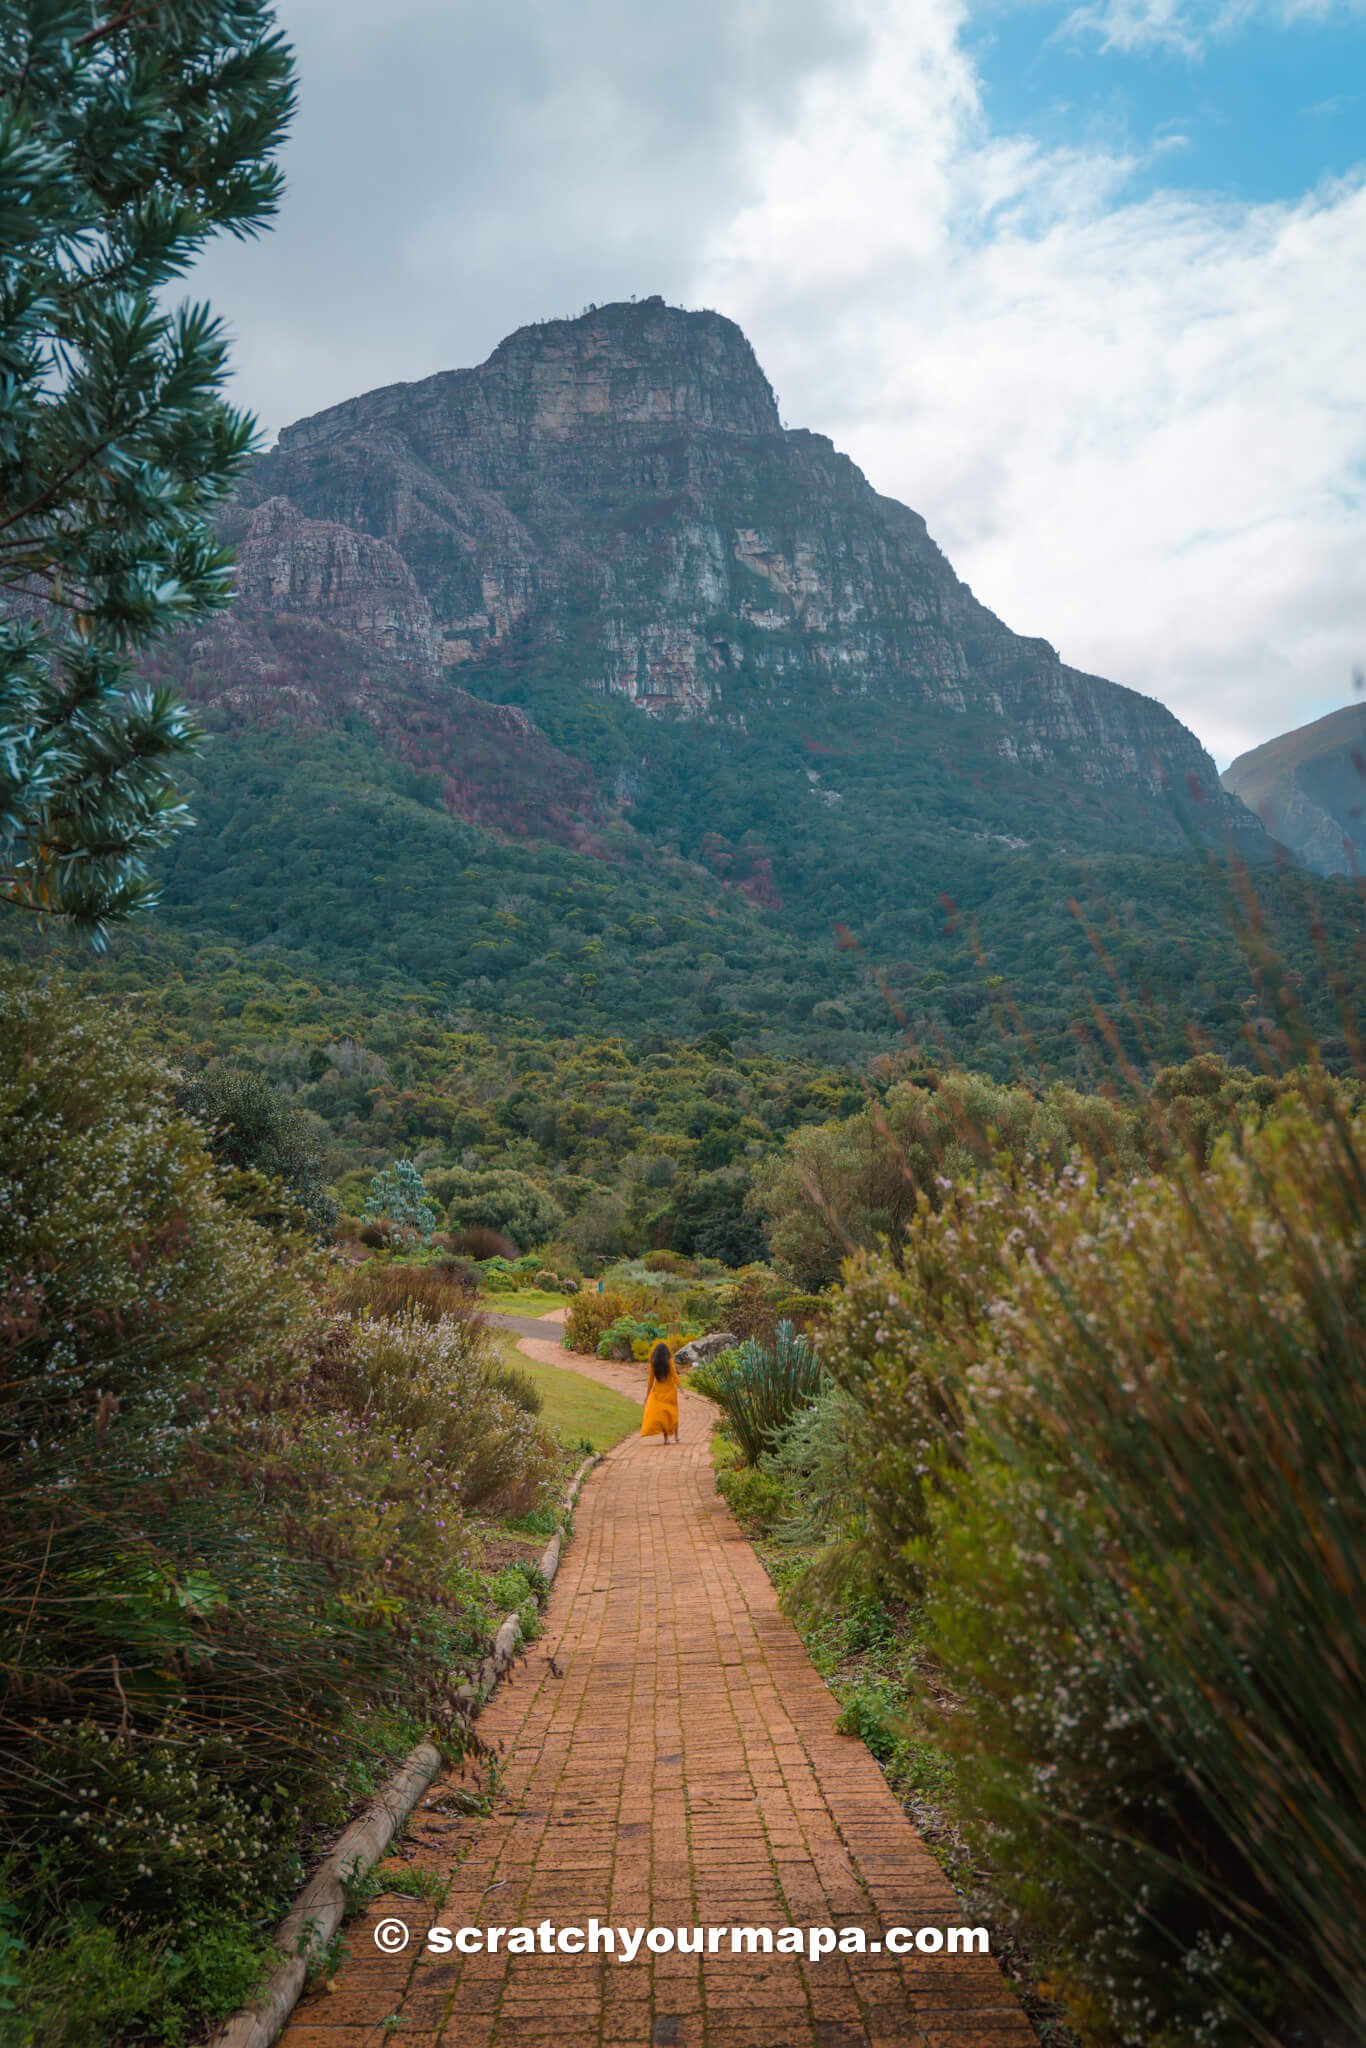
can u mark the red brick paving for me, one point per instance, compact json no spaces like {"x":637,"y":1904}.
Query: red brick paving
{"x":684,"y":1770}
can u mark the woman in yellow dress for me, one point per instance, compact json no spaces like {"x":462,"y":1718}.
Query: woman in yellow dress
{"x":661,"y":1401}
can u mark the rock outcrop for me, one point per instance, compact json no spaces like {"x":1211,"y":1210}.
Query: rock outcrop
{"x":701,"y":1350}
{"x":329,"y":623}
{"x":316,"y":569}
{"x":616,"y":496}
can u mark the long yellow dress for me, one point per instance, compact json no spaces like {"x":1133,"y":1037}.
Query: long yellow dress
{"x":661,"y":1404}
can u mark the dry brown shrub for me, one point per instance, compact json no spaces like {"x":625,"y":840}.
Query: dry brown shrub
{"x":437,"y":1293}
{"x":477,"y":1241}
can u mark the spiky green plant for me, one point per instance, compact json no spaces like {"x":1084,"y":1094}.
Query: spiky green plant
{"x":761,"y":1387}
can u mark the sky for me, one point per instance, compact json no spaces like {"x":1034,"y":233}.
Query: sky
{"x":1085,"y":285}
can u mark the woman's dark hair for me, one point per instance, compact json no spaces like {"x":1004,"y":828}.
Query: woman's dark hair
{"x":661,"y":1358}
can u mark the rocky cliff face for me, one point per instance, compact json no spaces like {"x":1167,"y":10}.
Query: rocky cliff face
{"x":616,"y":496}
{"x":330,"y":624}
{"x":315,"y":569}
{"x":575,"y":690}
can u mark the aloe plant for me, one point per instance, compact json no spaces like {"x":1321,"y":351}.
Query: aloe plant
{"x":761,"y":1387}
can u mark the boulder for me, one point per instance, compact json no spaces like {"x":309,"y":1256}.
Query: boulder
{"x":700,"y":1349}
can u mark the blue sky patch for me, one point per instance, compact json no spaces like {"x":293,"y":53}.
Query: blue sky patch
{"x":1260,"y":111}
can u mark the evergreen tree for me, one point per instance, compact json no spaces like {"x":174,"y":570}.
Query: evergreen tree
{"x":264,"y":1147}
{"x":130,"y":134}
{"x":398,"y":1197}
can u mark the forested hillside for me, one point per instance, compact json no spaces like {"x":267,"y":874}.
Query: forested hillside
{"x":320,"y":894}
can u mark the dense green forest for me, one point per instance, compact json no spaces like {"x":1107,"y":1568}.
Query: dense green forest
{"x":327,"y":888}
{"x":665,"y":1132}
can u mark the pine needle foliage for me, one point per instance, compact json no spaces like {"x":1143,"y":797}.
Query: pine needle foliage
{"x":130,"y":135}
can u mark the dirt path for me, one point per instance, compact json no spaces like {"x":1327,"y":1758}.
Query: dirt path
{"x":528,"y":1326}
{"x":677,"y":1765}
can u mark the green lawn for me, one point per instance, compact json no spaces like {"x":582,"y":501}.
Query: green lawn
{"x":530,"y":1301}
{"x":576,"y":1408}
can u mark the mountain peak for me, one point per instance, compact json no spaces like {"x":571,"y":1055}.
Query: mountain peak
{"x":1309,"y":789}
{"x":633,"y":363}
{"x":639,"y":361}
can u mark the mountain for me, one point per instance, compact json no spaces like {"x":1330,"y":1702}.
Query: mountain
{"x":1309,"y":789}
{"x":576,"y":688}
{"x":616,"y":495}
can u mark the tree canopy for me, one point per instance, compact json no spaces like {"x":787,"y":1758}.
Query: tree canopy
{"x":267,"y":1147}
{"x":509,"y":1202}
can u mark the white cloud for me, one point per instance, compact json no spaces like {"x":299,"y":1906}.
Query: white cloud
{"x":1188,"y":26}
{"x":1137,"y":427}
{"x":458,"y":169}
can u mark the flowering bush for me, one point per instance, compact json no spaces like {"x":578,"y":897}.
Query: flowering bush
{"x":1117,"y":1434}
{"x":159,"y":1814}
{"x":435,"y":1389}
{"x":234,"y":1564}
{"x":590,"y":1315}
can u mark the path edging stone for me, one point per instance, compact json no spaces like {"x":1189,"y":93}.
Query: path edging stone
{"x":320,"y":1908}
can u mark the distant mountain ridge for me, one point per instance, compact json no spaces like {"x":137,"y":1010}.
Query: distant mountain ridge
{"x":1309,"y":789}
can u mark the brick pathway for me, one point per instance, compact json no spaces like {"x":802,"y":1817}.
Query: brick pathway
{"x":682,"y":1770}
